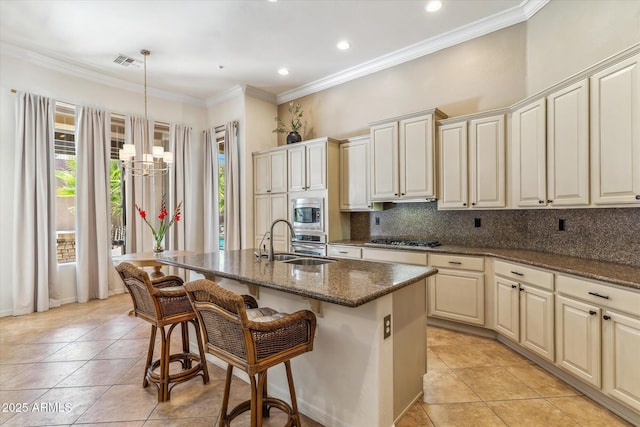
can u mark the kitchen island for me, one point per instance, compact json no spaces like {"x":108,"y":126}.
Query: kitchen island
{"x":354,"y":376}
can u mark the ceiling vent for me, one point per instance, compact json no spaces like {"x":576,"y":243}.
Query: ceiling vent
{"x":125,"y":60}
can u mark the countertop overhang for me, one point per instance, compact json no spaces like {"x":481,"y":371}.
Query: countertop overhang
{"x":344,"y":282}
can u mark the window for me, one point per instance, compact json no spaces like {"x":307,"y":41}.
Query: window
{"x":116,"y":187}
{"x":221,"y":185}
{"x":65,"y":172}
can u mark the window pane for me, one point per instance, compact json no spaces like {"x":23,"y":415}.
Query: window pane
{"x":65,"y":171}
{"x":221,"y":192}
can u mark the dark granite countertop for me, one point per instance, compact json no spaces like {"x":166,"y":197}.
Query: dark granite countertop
{"x":618,"y":274}
{"x":345,"y":282}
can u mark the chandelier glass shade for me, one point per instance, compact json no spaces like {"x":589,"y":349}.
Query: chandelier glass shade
{"x":155,"y":163}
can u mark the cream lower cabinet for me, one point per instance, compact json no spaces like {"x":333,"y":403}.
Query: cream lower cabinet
{"x":598,"y":336}
{"x":457,"y":291}
{"x":533,"y":326}
{"x":268,"y":208}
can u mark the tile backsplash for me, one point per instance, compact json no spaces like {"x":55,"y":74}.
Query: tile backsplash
{"x":611,"y":234}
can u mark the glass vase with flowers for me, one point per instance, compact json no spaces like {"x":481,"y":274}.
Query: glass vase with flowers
{"x":166,"y":222}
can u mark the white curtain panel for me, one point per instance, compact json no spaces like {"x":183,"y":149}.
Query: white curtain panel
{"x":180,"y":186}
{"x":210,"y":196}
{"x":232,"y":232}
{"x":93,"y":206}
{"x":139,"y":190}
{"x":35,"y":259}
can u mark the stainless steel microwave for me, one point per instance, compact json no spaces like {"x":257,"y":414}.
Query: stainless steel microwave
{"x":308,"y":214}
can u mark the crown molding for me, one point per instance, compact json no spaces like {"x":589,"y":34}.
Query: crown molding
{"x":74,"y":69}
{"x":254,"y":92}
{"x":224,"y":96}
{"x":506,"y":18}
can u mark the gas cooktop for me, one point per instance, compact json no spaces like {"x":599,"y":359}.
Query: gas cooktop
{"x":403,"y":242}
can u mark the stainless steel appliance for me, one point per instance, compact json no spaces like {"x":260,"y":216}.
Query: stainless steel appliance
{"x":309,"y":244}
{"x":307,"y":215}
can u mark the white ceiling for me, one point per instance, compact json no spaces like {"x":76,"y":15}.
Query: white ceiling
{"x":250,"y":39}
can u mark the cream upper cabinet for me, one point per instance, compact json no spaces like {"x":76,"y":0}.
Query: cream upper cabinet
{"x":354,"y":175}
{"x":268,"y":208}
{"x":384,"y":162}
{"x":568,"y":146}
{"x":472,"y":170}
{"x":417,"y":158}
{"x":403,"y":158}
{"x":308,"y":166}
{"x":270,"y":172}
{"x":452,"y":146}
{"x":487,"y":162}
{"x":528,"y":167}
{"x":615,"y":134}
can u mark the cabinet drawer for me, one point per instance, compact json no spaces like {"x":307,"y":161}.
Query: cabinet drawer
{"x":387,"y":255}
{"x":353,"y":252}
{"x":599,"y":294}
{"x":520,"y":273}
{"x":457,"y":262}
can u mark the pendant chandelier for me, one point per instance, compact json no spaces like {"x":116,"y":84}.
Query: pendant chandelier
{"x":155,"y":163}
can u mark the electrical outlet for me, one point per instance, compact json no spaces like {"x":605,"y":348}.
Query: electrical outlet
{"x":377,"y":220}
{"x":476,"y":222}
{"x":561,"y":225}
{"x":387,"y":326}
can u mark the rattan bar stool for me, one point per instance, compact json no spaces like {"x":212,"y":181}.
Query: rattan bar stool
{"x":163,"y":302}
{"x":252,"y":339}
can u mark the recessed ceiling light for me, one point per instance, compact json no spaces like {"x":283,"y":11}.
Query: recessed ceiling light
{"x":283,"y":71}
{"x":272,"y":1}
{"x":343,"y":45}
{"x":433,"y":5}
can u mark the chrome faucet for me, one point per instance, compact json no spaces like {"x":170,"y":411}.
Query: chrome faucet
{"x":293,"y":234}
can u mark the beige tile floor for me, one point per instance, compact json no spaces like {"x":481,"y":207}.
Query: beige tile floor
{"x":82,"y":364}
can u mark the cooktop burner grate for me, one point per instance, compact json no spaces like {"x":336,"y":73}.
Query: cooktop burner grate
{"x":401,"y":242}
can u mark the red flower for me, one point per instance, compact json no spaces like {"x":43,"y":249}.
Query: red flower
{"x":163,"y":214}
{"x":142,"y":213}
{"x":177,"y":217}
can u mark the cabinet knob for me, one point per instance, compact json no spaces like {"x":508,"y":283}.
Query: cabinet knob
{"x":514,"y":286}
{"x":395,"y":194}
{"x":540,"y":201}
{"x":605,"y":317}
{"x":464,"y":204}
{"x":402,"y":194}
{"x":473,"y":204}
{"x":593,"y":313}
{"x":521,"y":289}
{"x":637,"y":196}
{"x":268,"y":191}
{"x":549,"y":201}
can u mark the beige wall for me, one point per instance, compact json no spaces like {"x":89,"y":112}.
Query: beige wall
{"x":565,"y":37}
{"x":481,"y":74}
{"x":489,"y":72}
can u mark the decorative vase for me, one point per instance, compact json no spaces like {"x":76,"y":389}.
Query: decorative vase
{"x":158,"y":247}
{"x":293,"y":137}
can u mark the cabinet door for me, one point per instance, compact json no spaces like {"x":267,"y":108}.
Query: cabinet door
{"x":278,"y":210}
{"x":278,"y":171}
{"x":261,"y":173}
{"x":578,"y":339}
{"x":452,"y":141}
{"x":487,"y":162}
{"x":297,"y":169}
{"x":568,"y":146}
{"x":457,"y":295}
{"x":262,"y":215}
{"x":354,"y":176}
{"x":417,"y":158}
{"x":615,"y":134}
{"x":507,"y":308}
{"x":316,"y":161}
{"x":384,"y":162}
{"x":529,"y":158}
{"x":620,"y":350}
{"x":536,"y":321}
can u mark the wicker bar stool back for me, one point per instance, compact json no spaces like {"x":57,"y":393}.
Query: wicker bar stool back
{"x":163,"y":302}
{"x":252,"y":339}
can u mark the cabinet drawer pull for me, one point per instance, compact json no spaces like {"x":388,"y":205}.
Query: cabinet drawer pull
{"x":595,"y":294}
{"x":343,"y":252}
{"x":593,"y":313}
{"x":605,"y":317}
{"x":517,"y":274}
{"x":455,"y":262}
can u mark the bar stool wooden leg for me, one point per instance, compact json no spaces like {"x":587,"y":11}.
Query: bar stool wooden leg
{"x":201,"y":352}
{"x":152,"y":343}
{"x":224,"y":422}
{"x":292,"y":392}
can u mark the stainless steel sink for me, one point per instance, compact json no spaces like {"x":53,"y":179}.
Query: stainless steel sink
{"x":309,"y":261}
{"x":284,"y":257}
